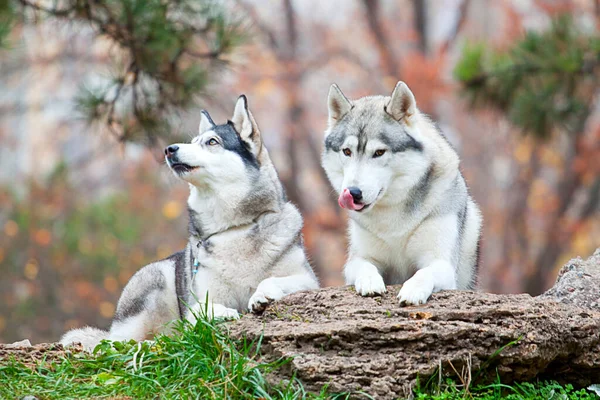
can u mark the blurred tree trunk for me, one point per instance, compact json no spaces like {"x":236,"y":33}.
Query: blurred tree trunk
{"x":303,"y":153}
{"x":294,"y":109}
{"x":386,"y":57}
{"x":420,"y":21}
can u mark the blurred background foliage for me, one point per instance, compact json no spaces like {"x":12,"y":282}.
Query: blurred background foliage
{"x":91,"y":91}
{"x":545,"y":82}
{"x":62,"y":255}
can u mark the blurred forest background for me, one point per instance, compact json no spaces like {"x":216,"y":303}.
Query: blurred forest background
{"x":91,"y":91}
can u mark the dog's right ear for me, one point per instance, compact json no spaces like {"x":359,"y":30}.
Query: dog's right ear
{"x":206,"y":122}
{"x":338,"y":104}
{"x":402,"y":105}
{"x":245,"y":125}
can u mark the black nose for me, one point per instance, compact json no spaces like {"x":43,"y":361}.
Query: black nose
{"x":356,"y":193}
{"x":171,"y":149}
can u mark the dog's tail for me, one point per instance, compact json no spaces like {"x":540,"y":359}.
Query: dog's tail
{"x":89,"y":337}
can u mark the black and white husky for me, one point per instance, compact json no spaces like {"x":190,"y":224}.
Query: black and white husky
{"x":412,"y":220}
{"x":245,"y":247}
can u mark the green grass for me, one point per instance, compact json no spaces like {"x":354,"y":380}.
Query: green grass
{"x":197,"y":362}
{"x":202,"y":362}
{"x":517,"y":391}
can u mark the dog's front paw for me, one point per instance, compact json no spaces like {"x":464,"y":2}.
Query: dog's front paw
{"x":225,"y":312}
{"x":415,"y":292}
{"x":369,"y":284}
{"x":262,"y":298}
{"x":259,"y":302}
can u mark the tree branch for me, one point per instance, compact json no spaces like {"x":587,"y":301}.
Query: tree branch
{"x":387,"y":59}
{"x":460,"y":22}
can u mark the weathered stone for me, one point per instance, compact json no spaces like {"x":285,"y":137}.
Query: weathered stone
{"x":32,"y":355}
{"x":333,"y":336}
{"x":21,"y":343}
{"x":578,"y":283}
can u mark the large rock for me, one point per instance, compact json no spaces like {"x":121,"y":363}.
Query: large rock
{"x":578,"y":283}
{"x":32,"y":355}
{"x":333,"y":336}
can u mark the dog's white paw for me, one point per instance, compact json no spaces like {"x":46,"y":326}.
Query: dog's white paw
{"x":263,"y":297}
{"x":415,"y":291}
{"x":259,"y":302}
{"x":225,"y":312}
{"x":369,"y":284}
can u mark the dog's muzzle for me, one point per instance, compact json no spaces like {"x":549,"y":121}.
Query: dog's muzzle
{"x":171,"y":150}
{"x":351,"y":199}
{"x":173,"y":160}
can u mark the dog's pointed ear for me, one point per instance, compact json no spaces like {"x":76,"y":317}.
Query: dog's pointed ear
{"x":245,"y":125}
{"x":402,"y":105}
{"x":206,"y":122}
{"x":338,"y":104}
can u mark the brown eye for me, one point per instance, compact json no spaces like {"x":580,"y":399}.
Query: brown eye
{"x":378,"y":153}
{"x":347,"y":152}
{"x":212,"y":142}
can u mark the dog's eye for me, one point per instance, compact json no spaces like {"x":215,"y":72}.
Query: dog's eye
{"x":347,"y":152}
{"x":378,"y":153}
{"x":212,"y":142}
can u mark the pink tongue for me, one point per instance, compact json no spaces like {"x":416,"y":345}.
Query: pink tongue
{"x":347,"y":201}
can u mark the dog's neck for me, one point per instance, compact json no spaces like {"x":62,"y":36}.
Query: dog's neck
{"x":216,"y":211}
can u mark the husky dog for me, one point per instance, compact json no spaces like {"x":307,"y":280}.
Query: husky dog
{"x":412,"y":220}
{"x":245,"y":246}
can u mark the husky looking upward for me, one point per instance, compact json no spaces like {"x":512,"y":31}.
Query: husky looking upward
{"x":245,"y":245}
{"x":412,"y":220}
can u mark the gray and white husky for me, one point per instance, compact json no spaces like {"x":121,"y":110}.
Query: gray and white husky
{"x":412,"y":220}
{"x":245,"y":246}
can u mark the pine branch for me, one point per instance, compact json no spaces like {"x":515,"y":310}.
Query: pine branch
{"x":7,"y":20}
{"x":543,"y":82}
{"x":170,"y":49}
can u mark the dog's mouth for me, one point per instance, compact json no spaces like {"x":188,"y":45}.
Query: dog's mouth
{"x":181,"y":168}
{"x":347,"y":201}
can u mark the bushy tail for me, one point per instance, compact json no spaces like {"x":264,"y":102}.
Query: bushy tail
{"x":89,"y":337}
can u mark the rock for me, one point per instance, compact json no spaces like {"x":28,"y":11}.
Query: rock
{"x":22,"y":343}
{"x":333,"y":336}
{"x":32,"y":355}
{"x":578,"y":283}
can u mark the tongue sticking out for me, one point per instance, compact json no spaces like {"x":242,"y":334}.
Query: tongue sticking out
{"x":347,"y":201}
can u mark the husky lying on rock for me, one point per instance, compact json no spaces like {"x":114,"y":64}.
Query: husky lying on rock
{"x":412,"y":220}
{"x":245,"y":246}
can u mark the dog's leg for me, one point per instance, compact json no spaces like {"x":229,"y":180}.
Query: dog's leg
{"x":274,"y":288}
{"x":136,"y":327}
{"x":432,"y":246}
{"x":212,"y":310}
{"x":438,"y":275}
{"x":148,"y":303}
{"x":364,"y":276}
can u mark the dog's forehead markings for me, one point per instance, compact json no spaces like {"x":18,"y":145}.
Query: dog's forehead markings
{"x":232,"y":142}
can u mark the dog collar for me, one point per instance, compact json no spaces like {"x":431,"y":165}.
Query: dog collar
{"x":201,"y":242}
{"x":196,"y":263}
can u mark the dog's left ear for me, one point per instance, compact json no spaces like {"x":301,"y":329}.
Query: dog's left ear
{"x":206,"y":122}
{"x":402,"y":105}
{"x":245,"y":125}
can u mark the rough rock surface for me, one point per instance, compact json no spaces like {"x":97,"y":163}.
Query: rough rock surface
{"x":578,"y":283}
{"x":372,"y":344}
{"x":31,"y":355}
